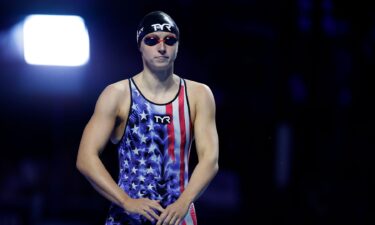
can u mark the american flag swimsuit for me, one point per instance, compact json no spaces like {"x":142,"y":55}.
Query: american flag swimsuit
{"x":154,"y":153}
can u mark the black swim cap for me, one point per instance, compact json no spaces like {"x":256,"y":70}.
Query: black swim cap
{"x":156,"y":21}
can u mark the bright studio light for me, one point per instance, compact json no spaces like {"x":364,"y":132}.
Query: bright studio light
{"x":55,"y":40}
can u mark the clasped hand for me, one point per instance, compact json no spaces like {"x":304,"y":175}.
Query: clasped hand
{"x":171,"y":215}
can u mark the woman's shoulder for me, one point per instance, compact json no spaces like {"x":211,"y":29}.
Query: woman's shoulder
{"x":197,"y":87}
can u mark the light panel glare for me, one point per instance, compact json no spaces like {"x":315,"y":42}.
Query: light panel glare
{"x":55,"y":40}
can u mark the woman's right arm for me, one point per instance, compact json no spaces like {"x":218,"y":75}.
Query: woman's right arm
{"x":94,"y":139}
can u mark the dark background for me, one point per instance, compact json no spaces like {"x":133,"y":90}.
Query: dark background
{"x":294,"y":100}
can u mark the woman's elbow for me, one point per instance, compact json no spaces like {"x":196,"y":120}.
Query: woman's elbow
{"x":81,"y":165}
{"x":214,"y":162}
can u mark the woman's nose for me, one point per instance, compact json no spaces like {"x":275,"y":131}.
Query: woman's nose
{"x":161,"y":47}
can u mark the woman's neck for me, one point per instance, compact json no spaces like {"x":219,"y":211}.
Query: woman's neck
{"x":159,"y":81}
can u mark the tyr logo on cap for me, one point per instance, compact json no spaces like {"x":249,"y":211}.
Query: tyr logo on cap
{"x":158,"y":26}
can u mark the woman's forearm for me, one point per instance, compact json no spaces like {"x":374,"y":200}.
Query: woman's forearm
{"x":95,"y":172}
{"x":202,"y":175}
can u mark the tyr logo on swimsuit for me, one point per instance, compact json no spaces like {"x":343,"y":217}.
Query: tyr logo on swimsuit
{"x":163,"y":119}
